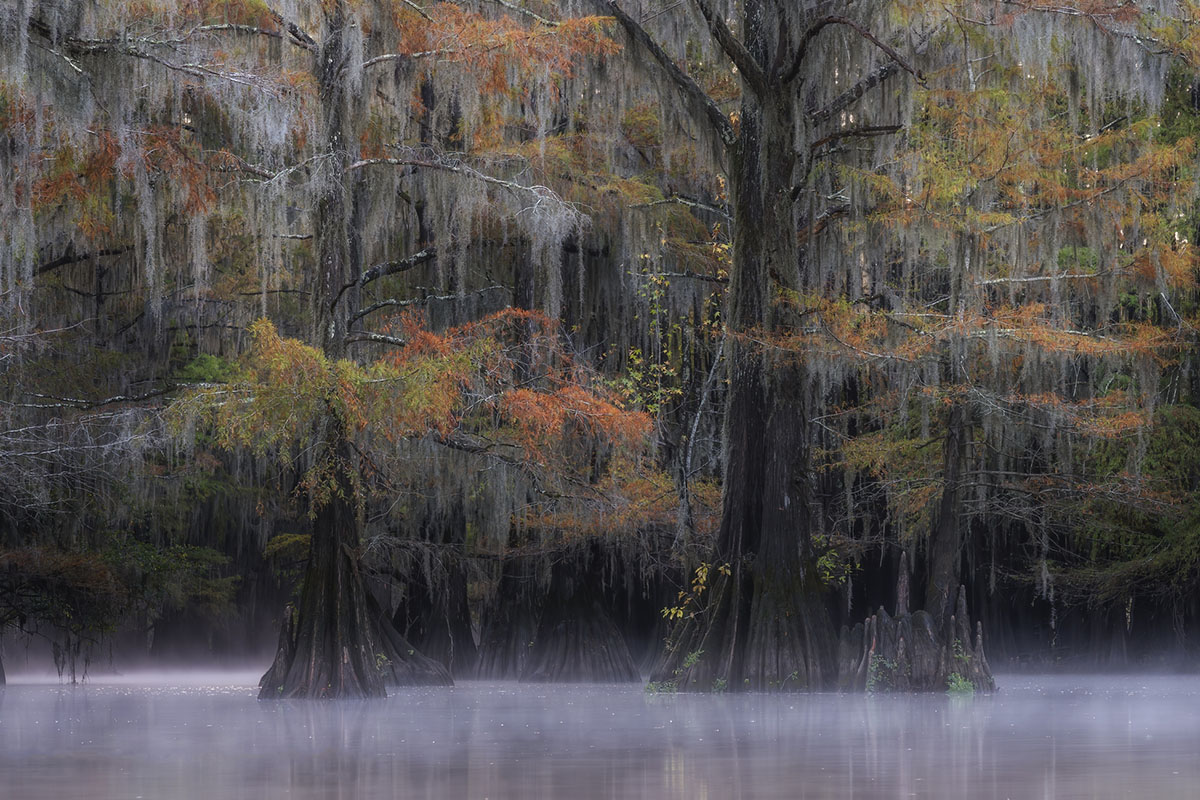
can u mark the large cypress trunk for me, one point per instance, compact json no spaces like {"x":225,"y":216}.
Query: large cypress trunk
{"x":945,"y":540}
{"x":510,"y":621}
{"x":435,"y":614}
{"x":764,"y":624}
{"x":577,"y":638}
{"x":337,"y":642}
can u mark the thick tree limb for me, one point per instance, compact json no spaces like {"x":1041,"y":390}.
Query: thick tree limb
{"x":683,"y":82}
{"x":824,"y":22}
{"x":378,"y":338}
{"x":71,"y":257}
{"x":382,"y":270}
{"x":418,"y":301}
{"x":851,"y":95}
{"x":298,"y":35}
{"x":370,"y":62}
{"x":392,"y":267}
{"x":864,"y":130}
{"x":751,"y":71}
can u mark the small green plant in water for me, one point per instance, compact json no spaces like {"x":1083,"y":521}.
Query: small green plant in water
{"x":881,"y":673}
{"x":661,"y":687}
{"x":959,"y":686}
{"x":719,"y":685}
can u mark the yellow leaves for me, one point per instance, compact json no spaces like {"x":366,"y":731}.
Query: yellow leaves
{"x":690,"y":602}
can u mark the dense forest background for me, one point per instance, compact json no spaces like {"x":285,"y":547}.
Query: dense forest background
{"x":719,"y":342}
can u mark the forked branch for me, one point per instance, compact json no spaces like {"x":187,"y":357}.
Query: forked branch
{"x":683,"y":82}
{"x":750,"y":69}
{"x":825,"y":22}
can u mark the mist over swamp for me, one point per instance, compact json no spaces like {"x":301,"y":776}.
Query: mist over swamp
{"x":202,"y":735}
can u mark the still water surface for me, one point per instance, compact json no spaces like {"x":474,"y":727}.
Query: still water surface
{"x":207,"y":737}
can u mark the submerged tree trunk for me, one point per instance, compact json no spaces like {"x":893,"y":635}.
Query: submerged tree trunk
{"x":336,"y":642}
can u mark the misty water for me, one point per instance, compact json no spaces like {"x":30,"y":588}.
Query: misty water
{"x":199,"y":736}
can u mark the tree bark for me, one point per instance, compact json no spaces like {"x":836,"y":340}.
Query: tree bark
{"x":766,"y":625}
{"x":577,"y":639}
{"x":510,"y":622}
{"x":945,"y":540}
{"x":336,"y":642}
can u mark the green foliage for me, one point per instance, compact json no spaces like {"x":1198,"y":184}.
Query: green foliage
{"x":1078,"y":259}
{"x":833,"y":567}
{"x":160,"y":579}
{"x":959,"y":686}
{"x":206,"y":368}
{"x":719,"y":685}
{"x":692,"y":603}
{"x":881,"y":673}
{"x":288,"y":553}
{"x":84,"y":595}
{"x":661,"y":687}
{"x":1180,"y":118}
{"x":287,"y":546}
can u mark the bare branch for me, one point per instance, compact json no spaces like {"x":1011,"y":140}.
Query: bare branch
{"x":76,"y":402}
{"x":683,"y":82}
{"x":370,"y":62}
{"x":688,"y":274}
{"x":392,"y":267}
{"x":417,"y":301}
{"x":851,"y":95}
{"x":298,"y":35}
{"x":751,"y":71}
{"x":685,"y":201}
{"x":864,"y":130}
{"x":424,"y":14}
{"x":71,"y":257}
{"x":824,"y":22}
{"x":539,"y":193}
{"x":524,"y":11}
{"x":1066,"y":276}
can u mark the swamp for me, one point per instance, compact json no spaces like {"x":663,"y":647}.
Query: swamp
{"x":613,"y":398}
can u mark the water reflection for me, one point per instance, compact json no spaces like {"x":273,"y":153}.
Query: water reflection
{"x":1052,"y":738}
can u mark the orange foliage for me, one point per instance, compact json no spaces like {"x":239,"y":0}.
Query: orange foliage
{"x":493,"y":48}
